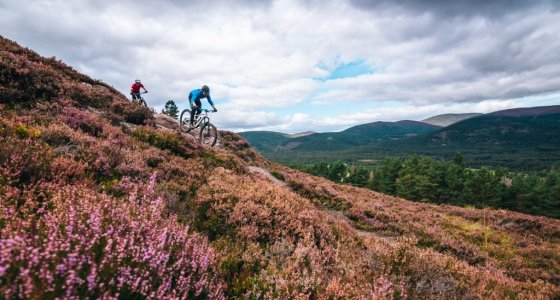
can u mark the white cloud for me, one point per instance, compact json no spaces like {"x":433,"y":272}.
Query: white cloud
{"x":260,"y":57}
{"x":238,"y":119}
{"x":277,"y":95}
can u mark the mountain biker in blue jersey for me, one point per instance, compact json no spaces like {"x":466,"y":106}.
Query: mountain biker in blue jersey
{"x":194,"y":99}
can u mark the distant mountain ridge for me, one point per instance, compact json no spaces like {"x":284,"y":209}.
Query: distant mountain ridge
{"x":370,"y":133}
{"x":520,"y":138}
{"x":448,"y":119}
{"x":519,"y":128}
{"x":528,"y":111}
{"x":403,"y":126}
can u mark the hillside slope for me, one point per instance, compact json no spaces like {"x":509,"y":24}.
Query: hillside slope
{"x":99,"y":198}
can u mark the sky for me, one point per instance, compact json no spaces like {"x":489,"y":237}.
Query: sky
{"x":309,"y":65}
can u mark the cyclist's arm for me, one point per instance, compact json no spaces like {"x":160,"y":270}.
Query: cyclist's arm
{"x":210,"y":100}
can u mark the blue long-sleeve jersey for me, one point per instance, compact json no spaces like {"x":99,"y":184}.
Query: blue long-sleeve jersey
{"x":197,"y":95}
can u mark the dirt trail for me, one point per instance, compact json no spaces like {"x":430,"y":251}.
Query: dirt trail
{"x":333,"y":213}
{"x":363,"y":233}
{"x":269,"y":176}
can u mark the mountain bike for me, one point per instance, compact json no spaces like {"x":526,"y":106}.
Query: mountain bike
{"x":139,"y":99}
{"x":208,"y":133}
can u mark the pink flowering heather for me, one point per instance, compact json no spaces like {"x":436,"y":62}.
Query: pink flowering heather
{"x":92,"y":245}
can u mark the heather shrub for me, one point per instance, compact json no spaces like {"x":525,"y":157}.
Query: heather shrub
{"x":23,"y":160}
{"x":61,"y":138}
{"x":119,"y":107}
{"x":114,"y":118}
{"x":104,"y":159}
{"x":91,"y":246}
{"x":167,"y":140}
{"x":78,"y":119}
{"x":22,"y":81}
{"x":118,"y":187}
{"x":181,"y":178}
{"x":68,"y":170}
{"x":131,"y":112}
{"x":153,"y":157}
{"x":88,"y":94}
{"x":236,"y":144}
{"x":217,"y":158}
{"x":138,"y":115}
{"x":320,"y":196}
{"x":133,"y":164}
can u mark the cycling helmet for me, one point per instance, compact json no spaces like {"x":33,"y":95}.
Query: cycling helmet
{"x":137,"y":81}
{"x":205,"y":89}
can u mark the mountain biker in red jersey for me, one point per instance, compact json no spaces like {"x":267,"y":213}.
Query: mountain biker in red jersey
{"x":135,"y":89}
{"x":194,"y":99}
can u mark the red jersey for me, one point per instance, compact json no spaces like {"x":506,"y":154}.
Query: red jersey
{"x":135,"y":88}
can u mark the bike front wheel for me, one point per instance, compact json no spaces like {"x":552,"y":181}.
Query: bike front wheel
{"x":208,"y":135}
{"x":143,"y":102}
{"x":185,"y":120}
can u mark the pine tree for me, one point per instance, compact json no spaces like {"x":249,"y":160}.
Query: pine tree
{"x":337,"y":171}
{"x":171,"y":109}
{"x":458,"y":159}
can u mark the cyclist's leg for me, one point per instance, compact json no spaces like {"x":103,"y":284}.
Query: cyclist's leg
{"x":195,"y":111}
{"x":135,"y":96}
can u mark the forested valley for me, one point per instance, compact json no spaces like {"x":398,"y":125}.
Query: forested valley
{"x":424,"y":179}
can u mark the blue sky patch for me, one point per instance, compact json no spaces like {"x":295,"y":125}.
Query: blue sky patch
{"x":351,"y":69}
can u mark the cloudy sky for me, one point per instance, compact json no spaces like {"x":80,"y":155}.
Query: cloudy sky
{"x":318,"y":65}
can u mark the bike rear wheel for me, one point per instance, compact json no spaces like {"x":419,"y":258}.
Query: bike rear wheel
{"x":185,"y":120}
{"x":208,"y":135}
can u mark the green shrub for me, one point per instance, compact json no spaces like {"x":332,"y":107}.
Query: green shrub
{"x":278,"y":175}
{"x":171,"y":141}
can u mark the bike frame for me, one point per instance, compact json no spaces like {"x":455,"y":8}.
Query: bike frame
{"x":140,"y":95}
{"x":202,"y":118}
